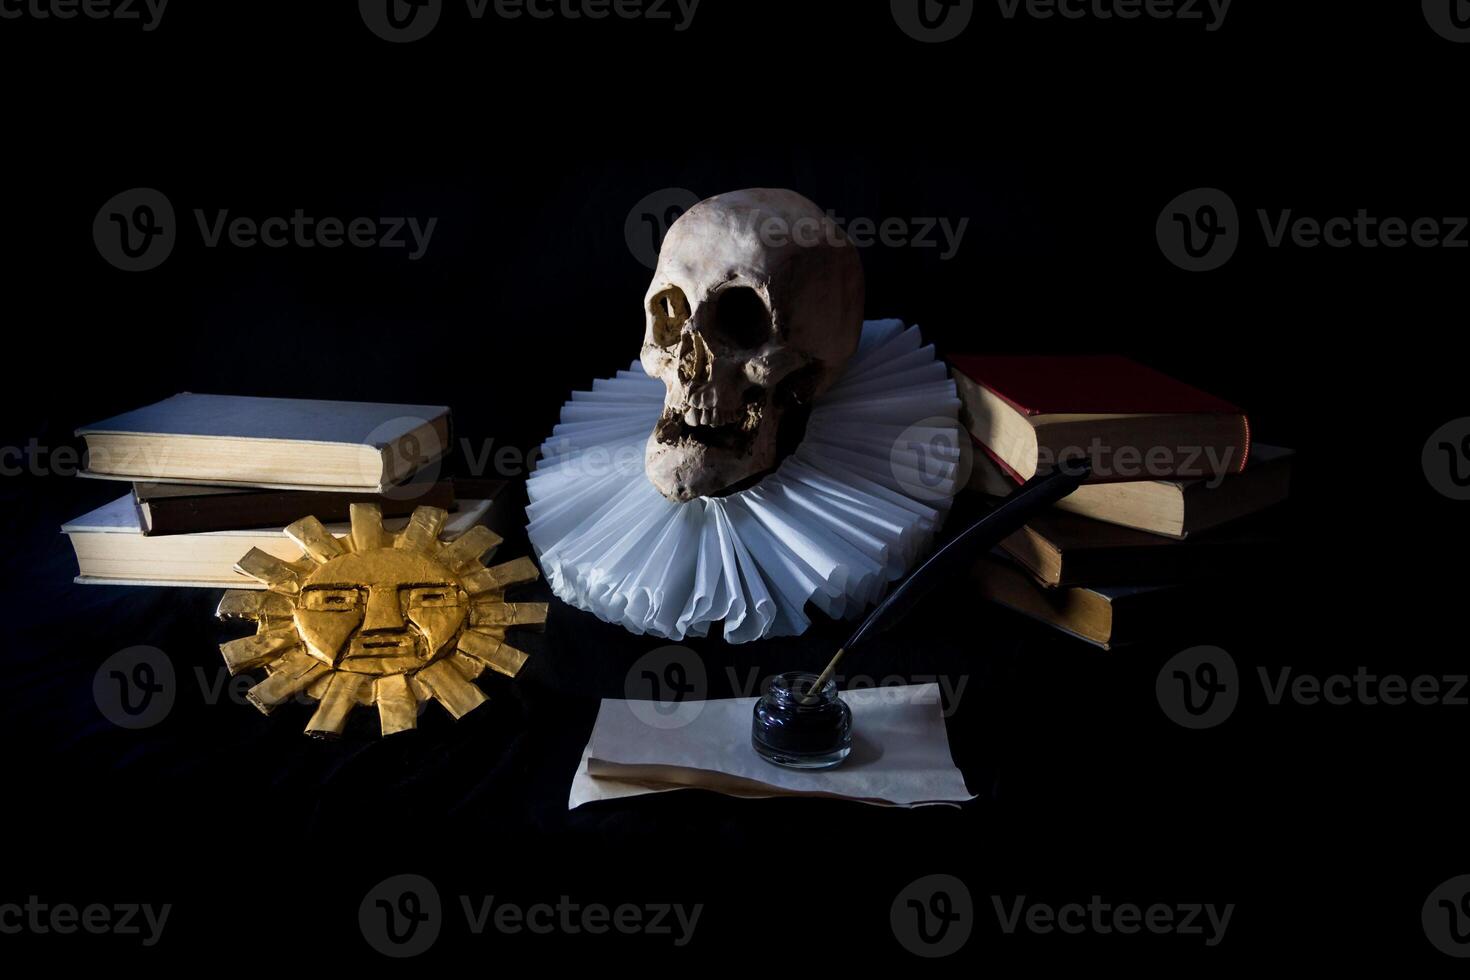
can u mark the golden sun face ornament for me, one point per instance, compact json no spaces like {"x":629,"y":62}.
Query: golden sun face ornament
{"x":377,"y":618}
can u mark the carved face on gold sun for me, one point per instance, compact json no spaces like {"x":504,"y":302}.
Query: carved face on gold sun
{"x":378,"y":618}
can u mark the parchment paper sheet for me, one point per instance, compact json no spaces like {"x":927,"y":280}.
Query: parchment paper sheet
{"x":900,"y":752}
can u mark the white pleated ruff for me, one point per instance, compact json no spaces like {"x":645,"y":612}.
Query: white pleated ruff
{"x":839,"y":520}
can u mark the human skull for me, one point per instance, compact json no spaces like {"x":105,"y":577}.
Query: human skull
{"x":755,"y":308}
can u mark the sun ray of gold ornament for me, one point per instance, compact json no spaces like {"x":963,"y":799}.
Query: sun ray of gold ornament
{"x":292,"y":671}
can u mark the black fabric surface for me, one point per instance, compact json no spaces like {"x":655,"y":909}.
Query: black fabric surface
{"x":1082,"y":782}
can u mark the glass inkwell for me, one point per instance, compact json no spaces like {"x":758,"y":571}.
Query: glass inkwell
{"x":800,"y":727}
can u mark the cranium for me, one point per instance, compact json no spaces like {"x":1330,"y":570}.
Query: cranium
{"x":755,"y":308}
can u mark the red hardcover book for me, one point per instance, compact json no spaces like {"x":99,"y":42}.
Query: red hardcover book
{"x":1130,"y":421}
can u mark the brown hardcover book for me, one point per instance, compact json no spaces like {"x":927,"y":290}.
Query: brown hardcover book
{"x":1173,"y":508}
{"x":1061,"y":549}
{"x":177,"y":508}
{"x":1105,"y":616}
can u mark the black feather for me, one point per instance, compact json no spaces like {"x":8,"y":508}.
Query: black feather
{"x":956,"y":556}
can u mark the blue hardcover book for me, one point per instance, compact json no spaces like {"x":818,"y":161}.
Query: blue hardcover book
{"x":281,"y":443}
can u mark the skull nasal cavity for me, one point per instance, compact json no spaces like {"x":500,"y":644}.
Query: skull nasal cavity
{"x":741,"y":320}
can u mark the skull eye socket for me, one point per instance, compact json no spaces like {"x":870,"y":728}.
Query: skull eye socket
{"x":741,"y":320}
{"x":670,"y":311}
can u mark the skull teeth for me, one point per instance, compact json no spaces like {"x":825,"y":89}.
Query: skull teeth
{"x":728,"y":430}
{"x":694,"y":415}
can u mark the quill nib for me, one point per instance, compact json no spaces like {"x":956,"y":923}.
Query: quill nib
{"x":825,"y":675}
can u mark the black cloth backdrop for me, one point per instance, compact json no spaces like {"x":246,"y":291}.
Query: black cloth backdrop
{"x":535,"y":144}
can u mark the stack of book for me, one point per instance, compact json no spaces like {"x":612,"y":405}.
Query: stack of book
{"x":214,"y":476}
{"x":1172,"y":519}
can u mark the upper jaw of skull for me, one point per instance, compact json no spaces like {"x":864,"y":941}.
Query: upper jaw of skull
{"x":716,"y":403}
{"x":721,"y":376}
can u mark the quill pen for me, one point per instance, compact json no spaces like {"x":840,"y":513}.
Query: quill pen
{"x":1025,"y":503}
